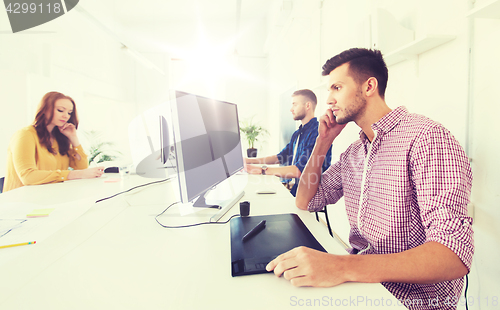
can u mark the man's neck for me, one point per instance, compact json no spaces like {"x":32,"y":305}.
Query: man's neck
{"x":373,"y":113}
{"x":306,"y":119}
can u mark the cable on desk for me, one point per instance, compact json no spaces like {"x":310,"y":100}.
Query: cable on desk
{"x":154,"y":182}
{"x":466,"y":286}
{"x":191,"y":225}
{"x":15,"y":226}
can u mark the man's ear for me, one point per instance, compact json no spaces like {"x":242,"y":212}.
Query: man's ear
{"x":370,"y":87}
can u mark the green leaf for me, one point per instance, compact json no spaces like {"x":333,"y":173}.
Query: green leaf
{"x":252,"y":131}
{"x":100,"y":151}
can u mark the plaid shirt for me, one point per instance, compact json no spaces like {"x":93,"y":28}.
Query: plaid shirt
{"x":409,"y":186}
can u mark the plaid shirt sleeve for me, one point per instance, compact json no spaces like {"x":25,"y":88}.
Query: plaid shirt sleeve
{"x":329,"y":190}
{"x":442,"y":178}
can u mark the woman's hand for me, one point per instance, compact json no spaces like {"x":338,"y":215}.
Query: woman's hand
{"x":69,"y":130}
{"x":88,"y":173}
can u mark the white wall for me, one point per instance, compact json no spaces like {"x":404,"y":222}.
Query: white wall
{"x":74,"y":56}
{"x":83,"y":58}
{"x":294,"y":57}
{"x":485,"y":164}
{"x":434,"y":84}
{"x":225,"y":70}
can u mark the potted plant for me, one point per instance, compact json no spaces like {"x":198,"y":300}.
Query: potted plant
{"x":99,"y":151}
{"x":251,"y":131}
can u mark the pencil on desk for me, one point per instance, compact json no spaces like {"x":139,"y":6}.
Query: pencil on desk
{"x":17,"y":244}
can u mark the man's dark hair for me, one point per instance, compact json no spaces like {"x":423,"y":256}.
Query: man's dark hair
{"x":310,"y":96}
{"x":363,"y":64}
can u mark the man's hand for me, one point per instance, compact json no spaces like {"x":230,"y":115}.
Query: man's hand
{"x":251,"y":169}
{"x":307,"y":267}
{"x":329,"y":129}
{"x":431,"y":262}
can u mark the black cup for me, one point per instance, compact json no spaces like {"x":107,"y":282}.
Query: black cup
{"x":244,"y":208}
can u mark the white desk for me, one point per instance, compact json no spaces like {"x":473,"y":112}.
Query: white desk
{"x":115,"y":256}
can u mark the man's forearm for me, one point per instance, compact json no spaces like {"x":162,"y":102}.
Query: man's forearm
{"x":269,"y":160}
{"x":431,"y":262}
{"x":289,"y":172}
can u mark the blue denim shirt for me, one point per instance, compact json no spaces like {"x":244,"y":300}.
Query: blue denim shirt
{"x":308,"y":134}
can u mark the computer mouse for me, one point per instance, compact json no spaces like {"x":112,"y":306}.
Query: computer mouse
{"x":111,"y":170}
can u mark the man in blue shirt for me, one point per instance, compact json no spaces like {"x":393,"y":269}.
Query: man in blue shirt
{"x":296,"y":153}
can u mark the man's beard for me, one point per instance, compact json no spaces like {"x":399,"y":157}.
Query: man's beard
{"x":352,"y":112}
{"x":299,"y":117}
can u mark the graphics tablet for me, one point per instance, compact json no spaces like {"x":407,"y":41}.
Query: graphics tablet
{"x":282,"y":233}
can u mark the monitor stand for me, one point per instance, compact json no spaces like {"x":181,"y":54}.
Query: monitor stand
{"x":201,"y":202}
{"x":223,"y":207}
{"x":151,"y":167}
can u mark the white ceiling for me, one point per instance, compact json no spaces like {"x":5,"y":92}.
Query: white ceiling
{"x":151,"y":26}
{"x":168,"y":11}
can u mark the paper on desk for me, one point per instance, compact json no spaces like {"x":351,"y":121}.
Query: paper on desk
{"x":40,"y":212}
{"x":112,"y":180}
{"x":37,"y":229}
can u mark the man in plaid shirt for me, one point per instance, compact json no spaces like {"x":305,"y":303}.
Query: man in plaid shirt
{"x":406,"y":184}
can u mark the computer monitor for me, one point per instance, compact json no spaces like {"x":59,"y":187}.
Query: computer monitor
{"x":207,"y":147}
{"x":164,"y":141}
{"x":150,"y":142}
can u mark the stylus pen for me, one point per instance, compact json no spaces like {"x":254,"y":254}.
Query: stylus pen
{"x":257,"y":229}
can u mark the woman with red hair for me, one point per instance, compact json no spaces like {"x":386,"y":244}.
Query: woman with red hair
{"x":42,"y":153}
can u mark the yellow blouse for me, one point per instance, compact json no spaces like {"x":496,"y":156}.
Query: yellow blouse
{"x":30,"y":163}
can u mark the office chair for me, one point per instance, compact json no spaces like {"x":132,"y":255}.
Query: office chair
{"x":327,"y":219}
{"x":1,"y":184}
